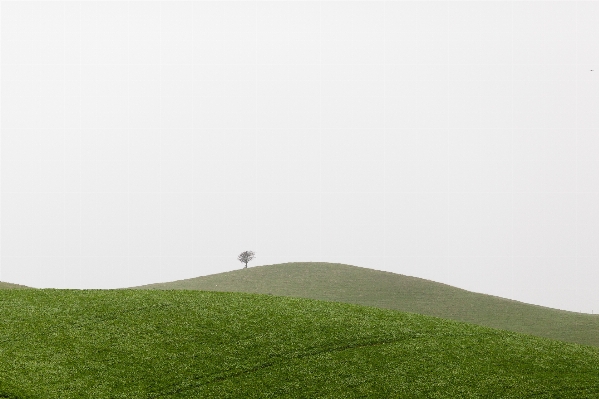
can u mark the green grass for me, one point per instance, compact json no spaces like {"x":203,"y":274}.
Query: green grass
{"x":351,"y":284}
{"x":194,"y":344}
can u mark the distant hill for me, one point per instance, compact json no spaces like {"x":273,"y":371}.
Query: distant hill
{"x":357,"y":285}
{"x":4,"y":285}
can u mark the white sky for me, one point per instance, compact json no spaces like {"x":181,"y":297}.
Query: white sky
{"x":154,"y":141}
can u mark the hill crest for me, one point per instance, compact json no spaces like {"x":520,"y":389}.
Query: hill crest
{"x":362,"y":286}
{"x":4,"y":285}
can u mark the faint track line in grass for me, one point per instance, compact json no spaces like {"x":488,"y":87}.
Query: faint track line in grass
{"x":223,"y":376}
{"x":587,"y":390}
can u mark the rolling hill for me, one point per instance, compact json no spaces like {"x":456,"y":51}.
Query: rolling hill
{"x":142,"y":344}
{"x":4,"y":285}
{"x":357,"y":285}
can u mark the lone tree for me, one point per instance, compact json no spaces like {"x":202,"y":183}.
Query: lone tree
{"x":245,"y":257}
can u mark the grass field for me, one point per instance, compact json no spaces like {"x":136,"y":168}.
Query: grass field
{"x":351,"y":284}
{"x":194,"y":344}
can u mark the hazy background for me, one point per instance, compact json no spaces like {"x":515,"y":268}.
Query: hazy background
{"x":154,"y":141}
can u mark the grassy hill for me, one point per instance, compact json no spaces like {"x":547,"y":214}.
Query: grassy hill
{"x":196,"y":344}
{"x":4,"y":285}
{"x":357,"y":285}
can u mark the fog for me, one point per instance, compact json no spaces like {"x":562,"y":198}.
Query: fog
{"x":145,"y":142}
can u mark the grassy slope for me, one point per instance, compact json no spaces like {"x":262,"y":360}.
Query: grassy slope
{"x":191,"y":344}
{"x":4,"y":285}
{"x":351,"y":284}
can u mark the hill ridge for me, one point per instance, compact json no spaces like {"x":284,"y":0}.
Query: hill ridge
{"x":363,"y":286}
{"x":4,"y":285}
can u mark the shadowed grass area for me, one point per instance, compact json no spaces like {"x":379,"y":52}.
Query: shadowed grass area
{"x":195,"y":344}
{"x":357,"y":285}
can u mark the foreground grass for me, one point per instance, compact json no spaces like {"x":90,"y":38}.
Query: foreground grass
{"x":191,"y":344}
{"x":357,"y":285}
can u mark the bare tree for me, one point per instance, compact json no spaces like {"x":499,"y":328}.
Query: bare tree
{"x":245,"y":257}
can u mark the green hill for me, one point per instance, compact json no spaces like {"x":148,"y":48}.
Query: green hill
{"x":4,"y":285}
{"x":194,"y":344}
{"x":357,"y":285}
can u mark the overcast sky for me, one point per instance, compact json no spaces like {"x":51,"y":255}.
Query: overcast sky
{"x":153,"y":141}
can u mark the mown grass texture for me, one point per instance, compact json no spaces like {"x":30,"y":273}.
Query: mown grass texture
{"x":194,"y":344}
